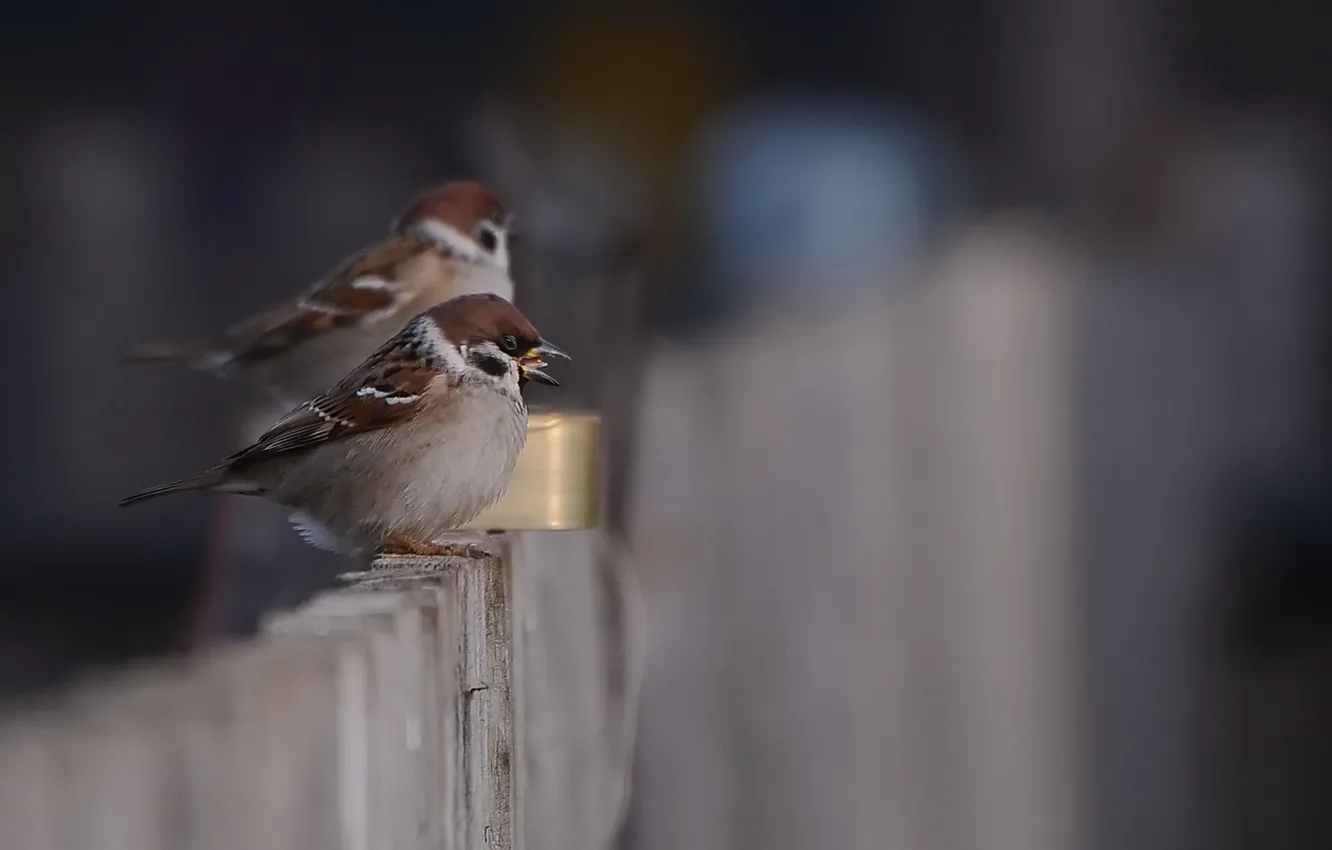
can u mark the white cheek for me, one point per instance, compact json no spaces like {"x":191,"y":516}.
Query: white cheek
{"x":441,"y":347}
{"x":502,"y":253}
{"x":450,"y":237}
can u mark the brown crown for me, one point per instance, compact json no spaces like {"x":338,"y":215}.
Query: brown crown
{"x":461,"y":205}
{"x":478,"y":318}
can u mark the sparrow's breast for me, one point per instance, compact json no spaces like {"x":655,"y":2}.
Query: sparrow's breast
{"x":470,"y":463}
{"x":449,"y":466}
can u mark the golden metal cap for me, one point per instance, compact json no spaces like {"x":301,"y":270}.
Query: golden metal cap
{"x":556,"y":482}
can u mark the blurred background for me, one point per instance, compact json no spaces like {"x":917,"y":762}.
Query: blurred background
{"x":964,"y":367}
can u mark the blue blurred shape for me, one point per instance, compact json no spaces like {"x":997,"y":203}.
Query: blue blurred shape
{"x":803,"y":199}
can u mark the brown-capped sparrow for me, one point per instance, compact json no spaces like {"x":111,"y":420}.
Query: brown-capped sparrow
{"x":453,"y":240}
{"x":418,"y":440}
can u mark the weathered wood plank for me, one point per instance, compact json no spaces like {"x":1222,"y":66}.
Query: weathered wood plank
{"x":472,"y":600}
{"x":232,"y":750}
{"x":862,"y":571}
{"x":577,"y":648}
{"x":480,"y":595}
{"x":381,"y":716}
{"x":386,"y":690}
{"x":29,"y":798}
{"x":546,"y":644}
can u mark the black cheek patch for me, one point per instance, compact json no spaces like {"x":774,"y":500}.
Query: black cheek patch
{"x":490,"y":364}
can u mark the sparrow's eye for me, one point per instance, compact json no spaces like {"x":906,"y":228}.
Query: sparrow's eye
{"x":488,"y":240}
{"x":509,"y":343}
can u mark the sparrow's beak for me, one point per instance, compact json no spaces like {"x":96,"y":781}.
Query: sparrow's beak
{"x":550,"y":349}
{"x":531,"y":363}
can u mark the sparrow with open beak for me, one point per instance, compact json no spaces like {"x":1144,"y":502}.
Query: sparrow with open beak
{"x":453,"y":240}
{"x":417,"y":441}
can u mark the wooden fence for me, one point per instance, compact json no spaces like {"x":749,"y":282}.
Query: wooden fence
{"x":928,"y":574}
{"x":935,"y":572}
{"x":429,"y":703}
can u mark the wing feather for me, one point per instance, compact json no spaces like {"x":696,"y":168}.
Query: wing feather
{"x":386,"y":389}
{"x":365,"y":284}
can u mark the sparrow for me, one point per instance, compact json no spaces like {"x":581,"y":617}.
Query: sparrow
{"x":453,"y":240}
{"x":416,"y":441}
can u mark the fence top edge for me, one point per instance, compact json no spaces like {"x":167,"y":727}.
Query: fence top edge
{"x":170,"y":689}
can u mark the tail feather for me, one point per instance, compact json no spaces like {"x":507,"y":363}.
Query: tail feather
{"x":171,"y":352}
{"x":212,"y":479}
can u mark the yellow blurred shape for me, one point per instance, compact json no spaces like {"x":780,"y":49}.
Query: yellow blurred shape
{"x":555,"y":485}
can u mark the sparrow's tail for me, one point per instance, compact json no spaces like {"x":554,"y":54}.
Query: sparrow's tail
{"x":200,"y":351}
{"x":212,"y":479}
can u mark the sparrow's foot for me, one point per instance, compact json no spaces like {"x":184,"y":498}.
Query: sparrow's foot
{"x":402,"y":544}
{"x":465,"y":550}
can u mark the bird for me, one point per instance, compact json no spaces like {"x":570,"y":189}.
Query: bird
{"x":416,"y":441}
{"x":452,"y":240}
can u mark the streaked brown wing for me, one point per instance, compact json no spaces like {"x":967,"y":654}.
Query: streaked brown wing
{"x":386,"y":389}
{"x":364,"y":285}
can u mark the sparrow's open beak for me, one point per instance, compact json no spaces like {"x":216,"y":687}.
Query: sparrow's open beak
{"x":532,"y":362}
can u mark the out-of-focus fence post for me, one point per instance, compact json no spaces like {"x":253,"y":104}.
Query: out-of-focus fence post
{"x":858,"y":527}
{"x":935,"y":571}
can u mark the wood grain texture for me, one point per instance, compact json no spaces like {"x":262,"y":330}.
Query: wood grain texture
{"x":481,"y":596}
{"x":389,"y":714}
{"x":544,"y":644}
{"x":465,"y":611}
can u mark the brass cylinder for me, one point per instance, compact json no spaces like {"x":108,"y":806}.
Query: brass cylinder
{"x":556,"y":482}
